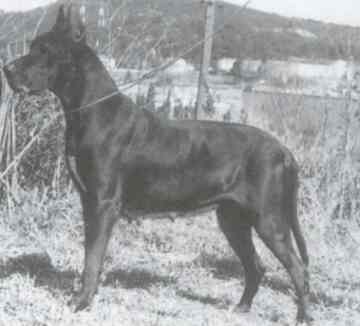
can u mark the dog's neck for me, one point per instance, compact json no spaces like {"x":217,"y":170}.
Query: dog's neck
{"x":78,"y":85}
{"x":81,"y":88}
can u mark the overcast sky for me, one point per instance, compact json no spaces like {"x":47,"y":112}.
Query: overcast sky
{"x":344,"y":11}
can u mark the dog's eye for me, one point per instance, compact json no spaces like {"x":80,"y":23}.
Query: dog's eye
{"x":43,"y":49}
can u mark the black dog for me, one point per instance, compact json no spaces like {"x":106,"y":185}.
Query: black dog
{"x":129,"y":160}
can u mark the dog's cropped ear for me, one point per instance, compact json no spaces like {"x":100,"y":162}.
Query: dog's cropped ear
{"x":62,"y":23}
{"x":69,"y":22}
{"x":77,"y":28}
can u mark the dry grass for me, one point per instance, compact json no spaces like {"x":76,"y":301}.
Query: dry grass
{"x":157,"y":272}
{"x":182,"y":272}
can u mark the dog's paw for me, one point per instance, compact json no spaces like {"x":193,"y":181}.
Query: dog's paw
{"x":79,"y":302}
{"x":304,"y":318}
{"x":242,"y":308}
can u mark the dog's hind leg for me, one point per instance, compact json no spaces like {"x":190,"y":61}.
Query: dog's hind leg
{"x":237,"y":230}
{"x":280,"y":244}
{"x":99,"y":222}
{"x":274,"y":228}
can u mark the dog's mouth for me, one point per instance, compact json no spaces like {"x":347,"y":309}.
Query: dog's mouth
{"x":34,"y":92}
{"x":23,"y":90}
{"x":26,"y":91}
{"x":20,"y":88}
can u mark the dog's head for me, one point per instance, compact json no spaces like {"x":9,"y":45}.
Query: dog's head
{"x":51,"y":55}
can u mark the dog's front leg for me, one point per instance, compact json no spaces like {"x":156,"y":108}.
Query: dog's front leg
{"x":72,"y":168}
{"x":99,"y":222}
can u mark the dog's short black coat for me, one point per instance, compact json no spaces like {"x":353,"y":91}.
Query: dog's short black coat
{"x":125,"y":160}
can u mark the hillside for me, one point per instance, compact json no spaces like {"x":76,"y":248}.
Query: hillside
{"x":164,"y":28}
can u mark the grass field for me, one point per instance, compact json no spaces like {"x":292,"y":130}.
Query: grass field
{"x":159,"y":272}
{"x":182,"y":272}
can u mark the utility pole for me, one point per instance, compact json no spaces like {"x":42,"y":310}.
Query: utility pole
{"x":206,"y":56}
{"x":24,"y":36}
{"x":109,"y":22}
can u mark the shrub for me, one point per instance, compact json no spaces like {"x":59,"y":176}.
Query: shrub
{"x":128,"y":77}
{"x":40,"y":164}
{"x":227,"y":116}
{"x":150,"y":98}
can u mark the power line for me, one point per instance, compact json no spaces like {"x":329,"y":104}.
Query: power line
{"x":89,"y":105}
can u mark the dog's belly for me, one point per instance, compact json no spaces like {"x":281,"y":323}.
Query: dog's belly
{"x":176,"y":190}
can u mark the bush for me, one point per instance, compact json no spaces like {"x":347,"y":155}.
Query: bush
{"x":209,"y":107}
{"x":227,"y":116}
{"x":150,"y":98}
{"x":128,"y":77}
{"x":44,"y":160}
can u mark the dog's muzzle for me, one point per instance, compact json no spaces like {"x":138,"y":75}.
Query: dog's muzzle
{"x":10,"y":76}
{"x":8,"y":71}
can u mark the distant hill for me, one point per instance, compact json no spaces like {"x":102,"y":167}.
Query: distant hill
{"x":149,"y":32}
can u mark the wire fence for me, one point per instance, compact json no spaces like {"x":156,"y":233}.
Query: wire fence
{"x":14,"y":160}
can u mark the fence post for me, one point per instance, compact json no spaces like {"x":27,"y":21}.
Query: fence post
{"x":206,"y":56}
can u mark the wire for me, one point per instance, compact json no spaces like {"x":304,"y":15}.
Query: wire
{"x":136,"y":82}
{"x":153,"y":72}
